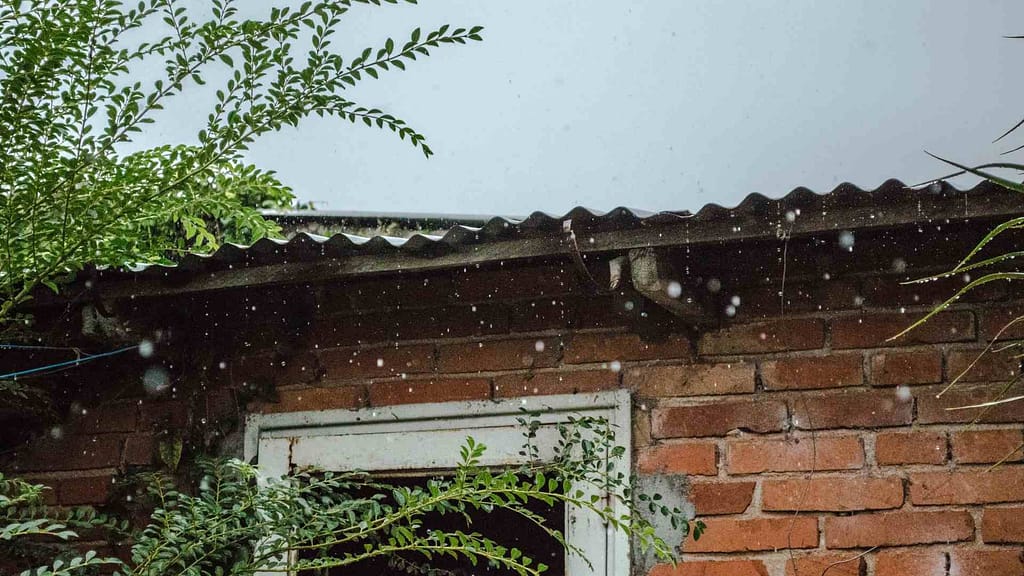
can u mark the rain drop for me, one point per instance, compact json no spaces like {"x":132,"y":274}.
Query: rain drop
{"x":846,"y":240}
{"x":155,"y":380}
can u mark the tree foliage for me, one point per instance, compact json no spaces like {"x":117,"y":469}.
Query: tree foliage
{"x":29,"y":530}
{"x":980,"y":266}
{"x":73,"y":192}
{"x":236,"y":522}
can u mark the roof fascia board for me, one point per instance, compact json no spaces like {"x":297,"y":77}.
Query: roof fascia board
{"x":770,"y":224}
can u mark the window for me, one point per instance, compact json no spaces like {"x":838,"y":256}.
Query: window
{"x":424,"y":439}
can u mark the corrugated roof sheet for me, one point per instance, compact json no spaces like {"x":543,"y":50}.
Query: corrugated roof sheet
{"x":757,"y":216}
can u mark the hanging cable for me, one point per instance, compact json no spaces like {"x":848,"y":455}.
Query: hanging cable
{"x":70,"y":363}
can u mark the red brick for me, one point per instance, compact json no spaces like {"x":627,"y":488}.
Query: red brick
{"x":449,"y":322}
{"x":975,"y":366}
{"x":164,"y":414}
{"x":910,"y":562}
{"x":945,"y":409}
{"x":385,"y":292}
{"x":540,"y":315}
{"x":906,"y":368}
{"x":813,"y":296}
{"x":1002,"y":525}
{"x":922,"y":447}
{"x":330,"y":331}
{"x":813,"y":372}
{"x":309,"y":399}
{"x":601,"y":312}
{"x":824,"y":494}
{"x":987,"y":446}
{"x":888,"y":292}
{"x":748,"y":535}
{"x":221,"y":406}
{"x":897,"y":528}
{"x":82,"y":490}
{"x":717,"y":419}
{"x":711,"y":568}
{"x":409,"y":324}
{"x":829,"y":564}
{"x":118,"y":416}
{"x":343,"y":364}
{"x":499,"y":355}
{"x":851,"y":409}
{"x":794,"y":454}
{"x":874,"y":330}
{"x":509,"y":283}
{"x":51,"y":489}
{"x":72,"y":453}
{"x":139,"y":450}
{"x":691,"y":379}
{"x":251,"y":371}
{"x":303,"y":368}
{"x":986,"y":563}
{"x":603,"y":347}
{"x":710,"y":497}
{"x":1003,"y":484}
{"x":426,"y":391}
{"x":679,"y":458}
{"x":774,"y":336}
{"x":997,"y":321}
{"x":547,"y":383}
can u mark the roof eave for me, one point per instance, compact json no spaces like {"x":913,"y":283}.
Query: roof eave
{"x":800,"y":214}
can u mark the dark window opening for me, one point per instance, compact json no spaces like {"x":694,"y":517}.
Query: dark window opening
{"x":507,"y":528}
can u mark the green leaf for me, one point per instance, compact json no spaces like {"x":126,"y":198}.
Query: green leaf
{"x":170,"y":453}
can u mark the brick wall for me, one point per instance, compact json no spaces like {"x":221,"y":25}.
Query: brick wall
{"x":807,"y":438}
{"x":812,"y":440}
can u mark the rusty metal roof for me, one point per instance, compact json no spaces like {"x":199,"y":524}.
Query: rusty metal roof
{"x":801,"y":212}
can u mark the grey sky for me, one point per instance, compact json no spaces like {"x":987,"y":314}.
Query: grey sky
{"x":661,"y":105}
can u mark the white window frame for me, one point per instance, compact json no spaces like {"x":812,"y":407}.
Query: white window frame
{"x":396,"y":438}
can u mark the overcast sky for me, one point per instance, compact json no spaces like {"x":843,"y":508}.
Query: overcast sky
{"x":659,"y":104}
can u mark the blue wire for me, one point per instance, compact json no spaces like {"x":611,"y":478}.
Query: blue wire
{"x":75,"y":362}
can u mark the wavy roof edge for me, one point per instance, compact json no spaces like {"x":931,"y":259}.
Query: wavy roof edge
{"x":761,"y":213}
